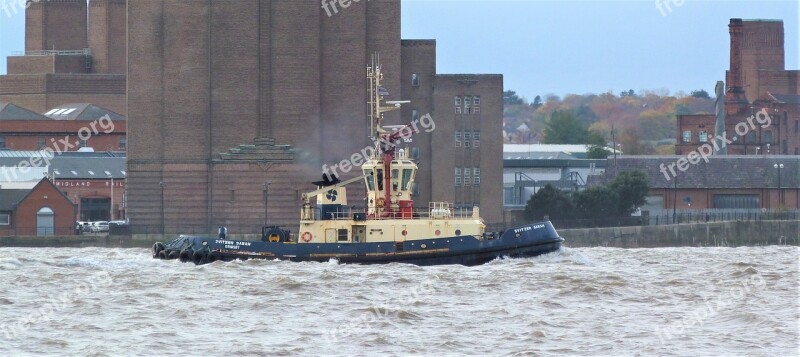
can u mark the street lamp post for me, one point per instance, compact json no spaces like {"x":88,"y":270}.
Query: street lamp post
{"x":111,"y":209}
{"x":266,"y":202}
{"x":161,"y":185}
{"x":779,"y":167}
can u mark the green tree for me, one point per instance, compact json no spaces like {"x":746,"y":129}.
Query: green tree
{"x":537,"y":102}
{"x":597,"y":152}
{"x":548,"y":201}
{"x":631,"y":188}
{"x":700,"y":94}
{"x":564,"y":128}
{"x":510,"y":97}
{"x":594,"y":202}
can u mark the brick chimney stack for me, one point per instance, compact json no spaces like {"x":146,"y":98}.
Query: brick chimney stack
{"x":735,"y":99}
{"x":56,"y":25}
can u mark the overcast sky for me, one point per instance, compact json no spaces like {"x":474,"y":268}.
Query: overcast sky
{"x":565,"y":47}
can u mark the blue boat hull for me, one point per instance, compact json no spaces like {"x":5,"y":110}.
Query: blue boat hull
{"x":526,"y":241}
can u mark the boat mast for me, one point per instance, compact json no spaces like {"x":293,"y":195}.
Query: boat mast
{"x":385,"y":141}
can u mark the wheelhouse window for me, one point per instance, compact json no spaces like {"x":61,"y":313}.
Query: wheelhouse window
{"x":370,"y":179}
{"x":379,"y":177}
{"x":407,"y":177}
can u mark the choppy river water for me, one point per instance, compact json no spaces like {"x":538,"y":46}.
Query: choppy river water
{"x":581,"y":301}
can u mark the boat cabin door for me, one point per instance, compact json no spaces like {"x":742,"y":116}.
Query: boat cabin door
{"x":330,"y":235}
{"x":359,"y":233}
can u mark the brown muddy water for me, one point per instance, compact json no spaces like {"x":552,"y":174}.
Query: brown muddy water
{"x":580,"y":301}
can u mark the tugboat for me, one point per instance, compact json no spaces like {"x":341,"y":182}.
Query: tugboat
{"x":388,"y":230}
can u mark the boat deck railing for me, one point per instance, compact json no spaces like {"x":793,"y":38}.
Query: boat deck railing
{"x":436,"y":211}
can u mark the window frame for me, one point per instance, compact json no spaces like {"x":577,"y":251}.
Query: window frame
{"x":414,"y":80}
{"x":458,"y":177}
{"x":686,"y":138}
{"x":7,"y":219}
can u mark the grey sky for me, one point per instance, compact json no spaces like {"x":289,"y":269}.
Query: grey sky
{"x":569,"y":46}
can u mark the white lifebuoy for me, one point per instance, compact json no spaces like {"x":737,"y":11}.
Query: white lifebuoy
{"x":306,"y":237}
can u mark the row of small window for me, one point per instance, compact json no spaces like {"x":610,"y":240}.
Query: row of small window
{"x":751,"y":138}
{"x":468,"y":138}
{"x":468,"y":176}
{"x":468,"y":104}
{"x":41,"y":143}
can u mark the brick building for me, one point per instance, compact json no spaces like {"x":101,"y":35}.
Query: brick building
{"x":93,"y":181}
{"x":730,"y":182}
{"x":39,"y":211}
{"x":63,"y":128}
{"x":239,"y":104}
{"x":466,"y":145}
{"x":756,"y":81}
{"x":74,"y":53}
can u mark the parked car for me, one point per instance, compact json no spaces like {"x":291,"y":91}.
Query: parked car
{"x":101,"y":226}
{"x":85,"y":226}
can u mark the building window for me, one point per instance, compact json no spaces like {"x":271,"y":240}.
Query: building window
{"x":751,"y":138}
{"x":458,"y":177}
{"x":768,"y":136}
{"x":458,"y":101}
{"x":415,"y":153}
{"x":467,"y":139}
{"x":458,"y":110}
{"x":476,"y":136}
{"x":467,"y":104}
{"x":40,"y":143}
{"x":796,"y":125}
{"x":2,"y":142}
{"x":687,"y":136}
{"x":703,"y":136}
{"x":5,"y":219}
{"x":785,"y":147}
{"x":467,"y":174}
{"x":414,"y":80}
{"x":736,"y":201}
{"x":476,"y":174}
{"x":414,"y":115}
{"x":81,"y":143}
{"x":477,"y":105}
{"x":123,"y":143}
{"x":458,"y":139}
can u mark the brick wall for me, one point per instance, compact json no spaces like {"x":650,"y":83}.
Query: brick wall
{"x":206,"y":77}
